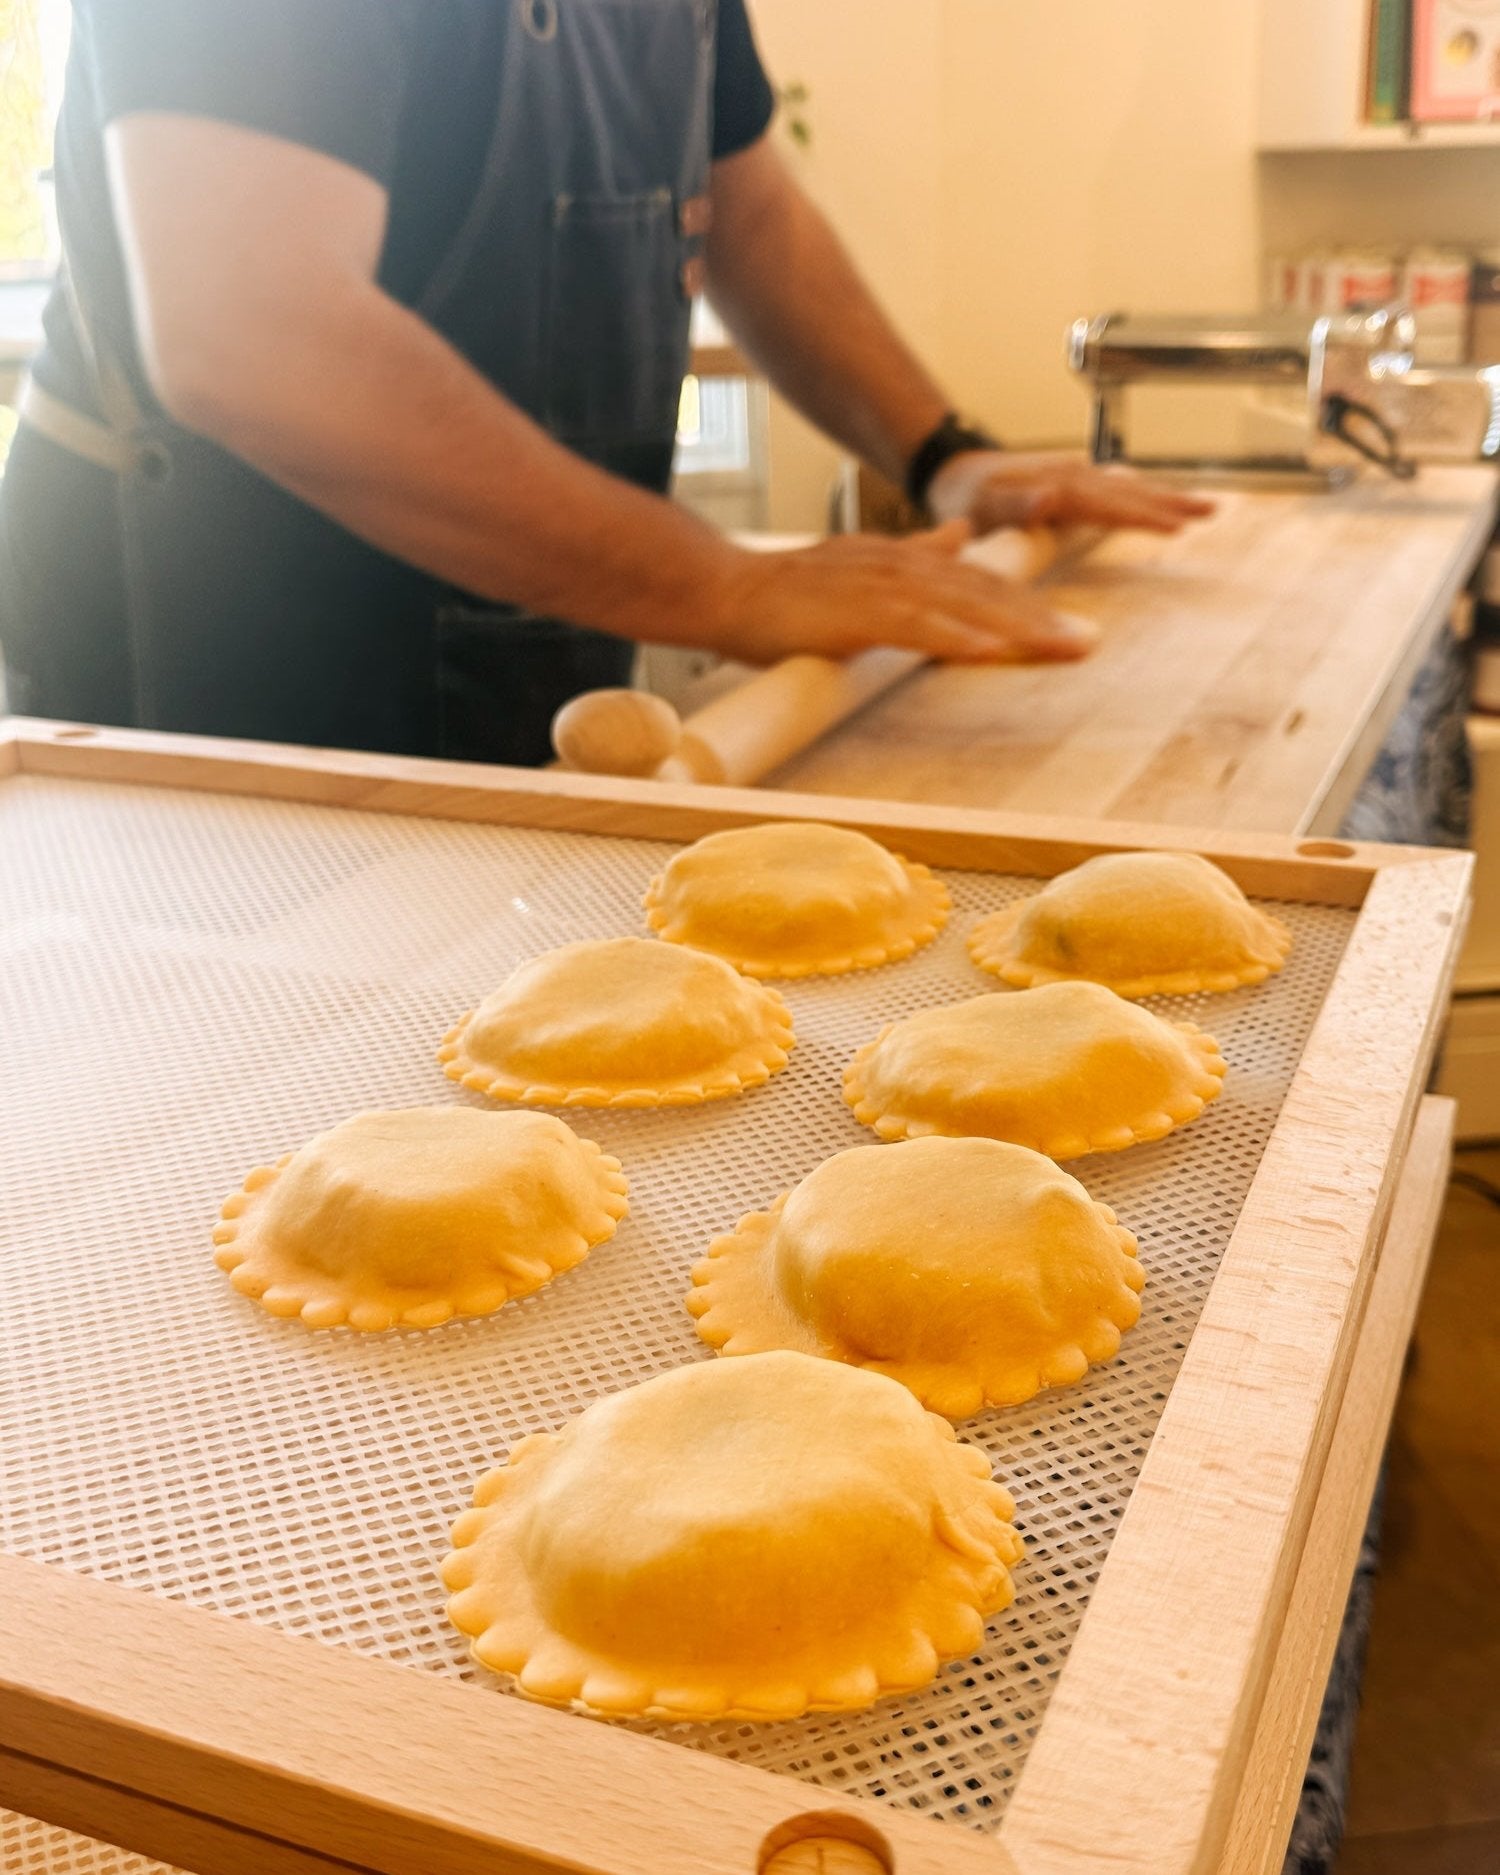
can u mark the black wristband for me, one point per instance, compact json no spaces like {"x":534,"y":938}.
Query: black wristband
{"x":952,"y":437}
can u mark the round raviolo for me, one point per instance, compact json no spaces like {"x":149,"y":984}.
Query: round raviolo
{"x":748,"y":1539}
{"x":975,"y":1273}
{"x":796,"y":899}
{"x":1142,"y":924}
{"x":411,"y":1217}
{"x":1067,"y":1069}
{"x":620,"y":1022}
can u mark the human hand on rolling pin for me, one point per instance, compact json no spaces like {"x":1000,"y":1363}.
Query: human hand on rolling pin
{"x":992,"y":488}
{"x":855,"y":591}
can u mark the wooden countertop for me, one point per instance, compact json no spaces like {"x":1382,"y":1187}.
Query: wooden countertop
{"x":1250,"y":671}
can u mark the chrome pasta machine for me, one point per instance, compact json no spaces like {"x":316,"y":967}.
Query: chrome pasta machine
{"x":1347,"y":387}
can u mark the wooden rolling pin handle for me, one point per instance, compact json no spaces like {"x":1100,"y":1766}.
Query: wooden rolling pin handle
{"x":750,"y":731}
{"x":616,"y":732}
{"x":779,"y":712}
{"x":734,"y":740}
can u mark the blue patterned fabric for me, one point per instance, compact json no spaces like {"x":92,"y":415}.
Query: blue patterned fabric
{"x":1417,"y":793}
{"x":1318,"y":1827}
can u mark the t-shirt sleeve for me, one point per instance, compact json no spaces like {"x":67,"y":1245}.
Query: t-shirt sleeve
{"x":743,"y":99}
{"x":327,"y":74}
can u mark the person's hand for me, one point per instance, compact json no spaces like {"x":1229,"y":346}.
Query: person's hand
{"x":993,"y":488}
{"x":858,"y":590}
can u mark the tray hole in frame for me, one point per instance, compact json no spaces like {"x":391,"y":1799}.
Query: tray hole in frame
{"x":1326,"y":849}
{"x":80,"y":734}
{"x":825,"y":1843}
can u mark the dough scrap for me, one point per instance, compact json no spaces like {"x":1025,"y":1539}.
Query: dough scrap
{"x":620,"y":1022}
{"x":796,"y":899}
{"x":410,"y":1217}
{"x":752,"y":1539}
{"x":1067,"y":1069}
{"x":1142,"y":924}
{"x":975,"y":1273}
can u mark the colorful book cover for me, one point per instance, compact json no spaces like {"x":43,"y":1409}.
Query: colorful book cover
{"x":1455,"y":61}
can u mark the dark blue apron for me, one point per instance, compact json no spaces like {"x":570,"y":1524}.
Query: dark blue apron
{"x":599,"y":165}
{"x":568,"y":286}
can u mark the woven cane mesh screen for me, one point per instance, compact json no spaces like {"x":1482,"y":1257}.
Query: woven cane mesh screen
{"x":191,"y":985}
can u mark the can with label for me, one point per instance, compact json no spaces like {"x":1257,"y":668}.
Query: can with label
{"x":1484,"y":309}
{"x":1436,"y":287}
{"x":1310,"y":271}
{"x":1358,"y":282}
{"x":1282,"y":280}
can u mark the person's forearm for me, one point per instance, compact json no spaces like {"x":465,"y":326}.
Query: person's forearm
{"x":252,"y":265}
{"x":784,"y":285}
{"x":367,"y":414}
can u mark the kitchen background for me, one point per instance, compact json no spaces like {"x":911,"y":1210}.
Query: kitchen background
{"x":1000,"y":168}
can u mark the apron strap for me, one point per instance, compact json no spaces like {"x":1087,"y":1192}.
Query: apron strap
{"x":70,"y":429}
{"x":117,"y":399}
{"x":109,"y":444}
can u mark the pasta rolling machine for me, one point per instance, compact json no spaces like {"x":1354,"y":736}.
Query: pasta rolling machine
{"x":1348,"y":385}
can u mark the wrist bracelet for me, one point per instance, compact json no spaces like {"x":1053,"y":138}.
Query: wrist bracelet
{"x":952,"y":437}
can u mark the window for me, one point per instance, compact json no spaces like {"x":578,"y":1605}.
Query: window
{"x":721,"y":431}
{"x":33,"y":52}
{"x":713,"y":427}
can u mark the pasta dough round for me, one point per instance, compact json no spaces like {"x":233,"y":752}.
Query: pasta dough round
{"x":753,"y":1539}
{"x":796,"y":899}
{"x":1143,"y":924}
{"x":410,"y":1217}
{"x":620,"y":1022}
{"x":973,"y":1272}
{"x":1067,"y":1069}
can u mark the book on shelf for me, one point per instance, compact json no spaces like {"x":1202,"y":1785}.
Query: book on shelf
{"x":1388,"y":67}
{"x":1455,"y":61}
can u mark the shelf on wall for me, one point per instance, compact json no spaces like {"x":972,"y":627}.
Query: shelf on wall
{"x":1313,"y":82}
{"x":1394,"y":137}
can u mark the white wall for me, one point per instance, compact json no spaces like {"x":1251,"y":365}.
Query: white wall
{"x":1386,"y":199}
{"x":873,"y":68}
{"x":1001,"y":166}
{"x":1097,"y":156}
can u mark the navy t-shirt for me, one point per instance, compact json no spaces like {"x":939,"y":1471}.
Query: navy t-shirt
{"x":401,"y":89}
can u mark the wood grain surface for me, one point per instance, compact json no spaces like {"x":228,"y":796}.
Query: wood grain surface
{"x":1251,"y":668}
{"x":1272,"y":1785}
{"x":1035,"y":845}
{"x":238,"y":1751}
{"x":1140,"y":1767}
{"x":825,"y":1856}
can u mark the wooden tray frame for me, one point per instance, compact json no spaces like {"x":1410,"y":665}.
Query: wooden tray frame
{"x":1175,"y":1740}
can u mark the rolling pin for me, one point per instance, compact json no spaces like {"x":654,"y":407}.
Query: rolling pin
{"x":753,"y":729}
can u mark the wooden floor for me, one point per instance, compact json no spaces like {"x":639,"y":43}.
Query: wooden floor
{"x":1426,"y":1780}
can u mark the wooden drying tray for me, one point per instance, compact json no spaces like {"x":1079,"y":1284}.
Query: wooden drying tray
{"x":1175,"y":1739}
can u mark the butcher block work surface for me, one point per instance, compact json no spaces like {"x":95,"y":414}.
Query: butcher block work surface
{"x":1250,"y":670}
